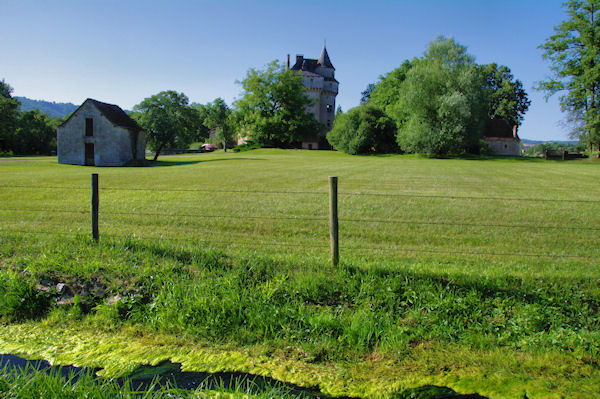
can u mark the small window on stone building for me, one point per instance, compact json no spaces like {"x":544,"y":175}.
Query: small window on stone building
{"x":329,"y":108}
{"x":89,"y":127}
{"x":505,"y":146}
{"x":328,"y":123}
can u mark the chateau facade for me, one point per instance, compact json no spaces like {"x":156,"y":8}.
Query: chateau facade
{"x":319,"y":80}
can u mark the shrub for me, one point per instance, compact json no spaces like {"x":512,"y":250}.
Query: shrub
{"x":362,"y":130}
{"x":19,"y":300}
{"x":246,"y":147}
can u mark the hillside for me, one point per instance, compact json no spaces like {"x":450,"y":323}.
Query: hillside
{"x":53,"y":109}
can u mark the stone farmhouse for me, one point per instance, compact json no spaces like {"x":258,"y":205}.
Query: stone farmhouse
{"x":100,"y":134}
{"x":501,"y":138}
{"x":319,"y":80}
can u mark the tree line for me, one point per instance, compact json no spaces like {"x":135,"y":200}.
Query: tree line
{"x":439,"y":103}
{"x":24,"y":133}
{"x":272,"y":112}
{"x":436,"y":104}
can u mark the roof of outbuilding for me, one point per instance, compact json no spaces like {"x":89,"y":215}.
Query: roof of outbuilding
{"x":498,"y":128}
{"x":113,"y":113}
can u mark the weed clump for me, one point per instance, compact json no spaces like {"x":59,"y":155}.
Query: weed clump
{"x":20,"y":300}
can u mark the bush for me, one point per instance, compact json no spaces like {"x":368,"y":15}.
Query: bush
{"x":362,"y":130}
{"x":246,"y":147}
{"x":19,"y":300}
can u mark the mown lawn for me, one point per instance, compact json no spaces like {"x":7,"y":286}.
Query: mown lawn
{"x":477,"y":274}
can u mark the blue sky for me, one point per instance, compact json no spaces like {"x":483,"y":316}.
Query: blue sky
{"x":121,"y":51}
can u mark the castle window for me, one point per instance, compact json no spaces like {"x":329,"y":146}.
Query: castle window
{"x":329,"y":108}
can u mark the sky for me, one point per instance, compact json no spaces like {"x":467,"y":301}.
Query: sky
{"x":122,"y":51}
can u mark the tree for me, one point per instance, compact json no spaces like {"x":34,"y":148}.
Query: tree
{"x":9,"y":117}
{"x":219,"y":117}
{"x":166,"y":118}
{"x":574,"y":53}
{"x":387,"y":91}
{"x":198,"y":114}
{"x":273,"y":107}
{"x":366,"y":94}
{"x":34,"y":134}
{"x":442,"y":103}
{"x":363,"y":129}
{"x":507,"y":98}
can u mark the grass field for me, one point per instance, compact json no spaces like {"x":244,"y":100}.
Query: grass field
{"x":477,"y":274}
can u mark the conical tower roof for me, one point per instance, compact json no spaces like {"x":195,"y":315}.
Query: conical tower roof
{"x":324,"y":60}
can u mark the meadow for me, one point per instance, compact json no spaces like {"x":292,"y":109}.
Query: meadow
{"x":476,"y":274}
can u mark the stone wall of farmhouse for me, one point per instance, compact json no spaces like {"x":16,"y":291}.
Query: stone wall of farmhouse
{"x":113,"y":145}
{"x":502,"y":146}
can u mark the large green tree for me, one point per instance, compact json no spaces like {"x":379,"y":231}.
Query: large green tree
{"x":443,"y":102}
{"x":386,"y":93}
{"x":166,"y":118}
{"x":362,"y":130}
{"x":574,"y":53}
{"x":507,"y":98}
{"x":273,"y":107}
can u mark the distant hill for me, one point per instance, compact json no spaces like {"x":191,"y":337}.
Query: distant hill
{"x":535,"y":142}
{"x":51,"y":108}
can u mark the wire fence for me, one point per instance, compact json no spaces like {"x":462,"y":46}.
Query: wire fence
{"x":252,"y":230}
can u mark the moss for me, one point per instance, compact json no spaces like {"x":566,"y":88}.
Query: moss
{"x":494,"y":374}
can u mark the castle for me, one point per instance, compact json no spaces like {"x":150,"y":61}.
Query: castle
{"x":319,"y":80}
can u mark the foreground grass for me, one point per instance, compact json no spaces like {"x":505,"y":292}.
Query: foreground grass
{"x":437,"y":285}
{"x":29,"y":382}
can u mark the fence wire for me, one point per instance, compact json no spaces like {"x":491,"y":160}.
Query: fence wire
{"x":319,"y":219}
{"x":540,"y":229}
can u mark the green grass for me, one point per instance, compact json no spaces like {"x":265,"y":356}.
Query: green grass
{"x":29,"y":382}
{"x":478,"y":274}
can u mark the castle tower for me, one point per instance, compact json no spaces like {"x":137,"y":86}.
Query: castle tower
{"x":319,"y":81}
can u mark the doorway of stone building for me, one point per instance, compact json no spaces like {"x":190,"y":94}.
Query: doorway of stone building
{"x":89,"y":154}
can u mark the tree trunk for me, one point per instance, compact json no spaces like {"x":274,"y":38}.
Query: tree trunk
{"x":158,"y":151}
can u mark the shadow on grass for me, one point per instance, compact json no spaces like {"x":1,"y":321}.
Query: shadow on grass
{"x":159,"y":163}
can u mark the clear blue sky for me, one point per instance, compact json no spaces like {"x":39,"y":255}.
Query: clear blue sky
{"x":121,"y":51}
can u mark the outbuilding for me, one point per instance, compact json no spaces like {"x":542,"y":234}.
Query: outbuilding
{"x":100,"y":134}
{"x":501,"y":138}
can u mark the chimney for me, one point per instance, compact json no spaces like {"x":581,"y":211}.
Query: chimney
{"x":299,"y":58}
{"x":515,"y":132}
{"x":288,"y":62}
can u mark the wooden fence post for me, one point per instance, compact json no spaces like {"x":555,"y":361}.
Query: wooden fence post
{"x":95,"y":202}
{"x":333,"y":221}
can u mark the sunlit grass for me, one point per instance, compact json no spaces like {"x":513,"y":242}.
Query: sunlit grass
{"x":482,"y":255}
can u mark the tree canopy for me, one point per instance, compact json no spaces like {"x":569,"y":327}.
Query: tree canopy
{"x":362,"y":130}
{"x":574,"y":53}
{"x":167,"y":119}
{"x":441,"y":100}
{"x":273,"y":107}
{"x":507,"y":98}
{"x":219,"y":116}
{"x":24,"y":133}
